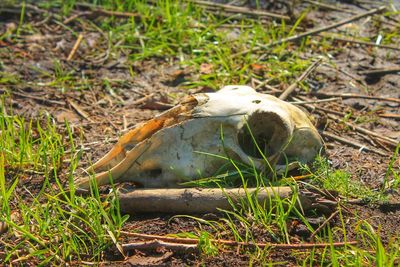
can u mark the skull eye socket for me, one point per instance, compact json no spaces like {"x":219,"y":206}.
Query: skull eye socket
{"x":268,"y":131}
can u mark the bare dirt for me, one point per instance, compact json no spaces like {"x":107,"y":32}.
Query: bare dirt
{"x":101,"y":112}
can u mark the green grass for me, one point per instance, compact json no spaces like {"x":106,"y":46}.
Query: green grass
{"x":52,"y":224}
{"x":341,"y":181}
{"x":187,"y":36}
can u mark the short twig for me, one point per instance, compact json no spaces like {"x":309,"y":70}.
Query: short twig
{"x":316,"y":101}
{"x":142,"y":99}
{"x":298,"y":178}
{"x":303,"y":76}
{"x":380,"y":72}
{"x":323,"y":224}
{"x":347,"y":40}
{"x":101,"y":12}
{"x":389,"y":115}
{"x":77,"y":15}
{"x":239,"y":9}
{"x":329,"y":7}
{"x":353,"y":143}
{"x":75,"y":48}
{"x":36,"y":98}
{"x":364,"y":131}
{"x":79,"y":110}
{"x":349,"y":95}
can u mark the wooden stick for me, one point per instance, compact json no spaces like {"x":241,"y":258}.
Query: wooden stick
{"x":75,"y":48}
{"x":349,"y":95}
{"x":341,"y":39}
{"x":314,"y":31}
{"x":316,"y":101}
{"x":187,"y":200}
{"x":194,"y":241}
{"x":329,"y":27}
{"x":303,"y":76}
{"x":323,"y":224}
{"x":380,"y":72}
{"x":239,"y":9}
{"x":352,"y":143}
{"x":79,"y":110}
{"x":36,"y":98}
{"x":364,"y":131}
{"x":359,"y":129}
{"x":101,"y":12}
{"x":142,"y":99}
{"x":329,"y":7}
{"x":389,"y":115}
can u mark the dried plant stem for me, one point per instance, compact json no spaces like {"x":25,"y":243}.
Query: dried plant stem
{"x":316,"y":101}
{"x":352,"y":142}
{"x":347,"y":40}
{"x":75,"y":48}
{"x":329,"y":7}
{"x":303,"y":76}
{"x":348,"y":95}
{"x":323,"y":224}
{"x":239,"y":9}
{"x":193,"y":241}
{"x":380,"y":72}
{"x":364,"y":131}
{"x":314,"y":31}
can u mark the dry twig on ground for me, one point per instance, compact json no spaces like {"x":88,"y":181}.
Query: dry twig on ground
{"x":352,"y":142}
{"x":239,"y":9}
{"x":315,"y":31}
{"x":188,"y":243}
{"x":303,"y":76}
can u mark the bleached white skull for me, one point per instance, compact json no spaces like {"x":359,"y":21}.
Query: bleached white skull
{"x":179,"y":144}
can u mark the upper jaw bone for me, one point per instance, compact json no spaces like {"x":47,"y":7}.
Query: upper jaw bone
{"x":179,"y":144}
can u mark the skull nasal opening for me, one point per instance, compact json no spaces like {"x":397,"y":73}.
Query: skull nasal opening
{"x":268,"y":130}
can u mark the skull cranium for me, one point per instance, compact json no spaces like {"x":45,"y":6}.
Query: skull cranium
{"x":164,"y":151}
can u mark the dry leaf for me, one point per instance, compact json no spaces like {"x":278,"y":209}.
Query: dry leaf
{"x":206,"y":68}
{"x":66,"y":115}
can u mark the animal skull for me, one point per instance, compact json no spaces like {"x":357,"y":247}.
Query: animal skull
{"x":164,"y":151}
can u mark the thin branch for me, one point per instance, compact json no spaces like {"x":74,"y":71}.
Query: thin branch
{"x":75,"y":48}
{"x":142,"y":100}
{"x":349,"y":95}
{"x":389,"y":115}
{"x":194,"y":241}
{"x":352,"y":142}
{"x":380,"y":72}
{"x":329,"y":7}
{"x":316,"y":101}
{"x":314,"y":31}
{"x":329,"y":27}
{"x":303,"y":76}
{"x":239,"y":9}
{"x":341,"y":39}
{"x":38,"y":99}
{"x":79,"y":110}
{"x":364,"y":131}
{"x":323,"y":224}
